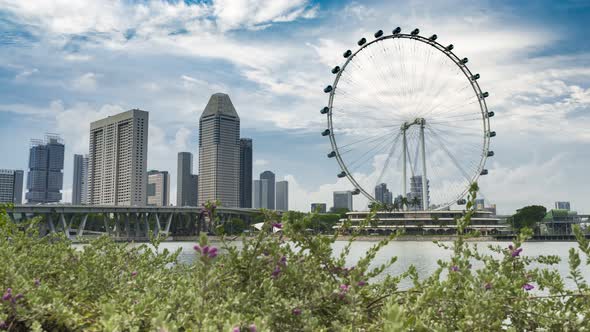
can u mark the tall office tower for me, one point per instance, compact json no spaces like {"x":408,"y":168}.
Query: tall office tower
{"x":118,"y":159}
{"x":382,"y":194}
{"x":158,"y":188}
{"x":186,"y":181}
{"x":343,"y":200}
{"x":282,"y":195}
{"x":562,"y":205}
{"x":46,"y":163}
{"x":479,"y":204}
{"x":270,"y":193}
{"x":256,"y":194}
{"x":245,"y":172}
{"x":219,"y":152}
{"x":11,"y":186}
{"x":415,"y":193}
{"x":318,"y":207}
{"x":80,"y":181}
{"x":388,"y":197}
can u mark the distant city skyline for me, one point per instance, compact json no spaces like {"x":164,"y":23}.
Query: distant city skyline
{"x":62,"y":69}
{"x":45,"y":175}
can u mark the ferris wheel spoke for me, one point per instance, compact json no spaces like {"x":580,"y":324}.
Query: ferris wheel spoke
{"x":369,"y":139}
{"x":354,"y":165}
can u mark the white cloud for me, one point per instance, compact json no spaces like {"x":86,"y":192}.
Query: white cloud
{"x":261,"y":162}
{"x":25,"y":73}
{"x":86,"y":82}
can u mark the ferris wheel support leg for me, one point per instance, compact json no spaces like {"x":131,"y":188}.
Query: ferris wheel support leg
{"x":404,"y":177}
{"x":425,"y":203}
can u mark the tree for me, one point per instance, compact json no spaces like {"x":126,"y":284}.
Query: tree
{"x":415,"y":202}
{"x":528,"y":216}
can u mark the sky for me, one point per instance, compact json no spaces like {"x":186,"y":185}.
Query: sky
{"x":64,"y":64}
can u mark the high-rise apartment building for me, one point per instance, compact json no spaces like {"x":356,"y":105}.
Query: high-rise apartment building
{"x":219,"y":152}
{"x":342,"y":200}
{"x":45,"y":177}
{"x":11,"y":186}
{"x":269,"y":196}
{"x":318,"y":207}
{"x":117,"y":168}
{"x":245,"y":173}
{"x":282,"y":198}
{"x":186,"y":181}
{"x":158,"y":188}
{"x":80,"y":181}
{"x":382,"y":194}
{"x":562,"y":205}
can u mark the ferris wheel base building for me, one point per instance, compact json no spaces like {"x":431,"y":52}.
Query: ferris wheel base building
{"x":426,"y":222}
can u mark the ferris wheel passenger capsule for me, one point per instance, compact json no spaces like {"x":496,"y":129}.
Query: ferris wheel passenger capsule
{"x":492,"y":134}
{"x":326,"y":132}
{"x":328,"y":89}
{"x":490,"y":153}
{"x":332,"y":154}
{"x":484,"y":172}
{"x":324,"y":110}
{"x":397,"y":30}
{"x":347,"y":53}
{"x":356,"y":191}
{"x":341,"y":174}
{"x":485,"y":95}
{"x":490,"y":114}
{"x":450,"y":47}
{"x":362,"y":41}
{"x":433,"y":37}
{"x":378,"y":33}
{"x":415,"y":32}
{"x":335,"y":70}
{"x":462,"y":201}
{"x":464,"y":60}
{"x":475,"y":77}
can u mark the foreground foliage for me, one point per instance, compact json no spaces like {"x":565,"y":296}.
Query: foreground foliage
{"x":271,"y":284}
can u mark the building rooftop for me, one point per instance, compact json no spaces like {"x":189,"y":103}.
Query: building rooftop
{"x":220,"y":104}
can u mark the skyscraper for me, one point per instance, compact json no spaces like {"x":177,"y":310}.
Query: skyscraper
{"x":342,"y":200}
{"x":158,"y":188}
{"x":256,"y":194}
{"x":479,"y":204}
{"x":282,"y":195}
{"x":270,"y":192}
{"x":415,"y":194}
{"x":318,"y":207}
{"x":186,"y":181}
{"x":562,"y":205}
{"x":46,"y":163}
{"x":219,"y":152}
{"x":245,"y":172}
{"x":11,"y":186}
{"x":80,"y":181}
{"x":117,"y":173}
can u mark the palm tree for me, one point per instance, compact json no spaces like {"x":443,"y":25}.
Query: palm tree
{"x":404,"y":202}
{"x":395,"y":206}
{"x":415,"y":202}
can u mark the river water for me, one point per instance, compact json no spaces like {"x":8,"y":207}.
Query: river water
{"x":422,"y":254}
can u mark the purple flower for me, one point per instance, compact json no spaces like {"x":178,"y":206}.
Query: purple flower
{"x":7,"y":295}
{"x":516,"y":252}
{"x":197,"y":248}
{"x":276,"y":272}
{"x":205,"y":250}
{"x":283,"y":260}
{"x":510,"y":247}
{"x":236,"y":329}
{"x":361,"y":283}
{"x":277,"y":225}
{"x":37,"y":282}
{"x":487,"y":286}
{"x":454,"y":268}
{"x":252,"y":328}
{"x":134,"y":273}
{"x":527,"y":287}
{"x":296,"y":311}
{"x":3,"y":325}
{"x":18,"y":296}
{"x":344,"y":288}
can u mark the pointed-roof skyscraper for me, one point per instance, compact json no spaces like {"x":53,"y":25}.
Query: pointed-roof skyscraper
{"x":219,"y":152}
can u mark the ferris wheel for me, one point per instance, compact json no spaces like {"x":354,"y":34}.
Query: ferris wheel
{"x":407,"y":118}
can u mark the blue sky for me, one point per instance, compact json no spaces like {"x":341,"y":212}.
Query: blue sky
{"x":64,"y":64}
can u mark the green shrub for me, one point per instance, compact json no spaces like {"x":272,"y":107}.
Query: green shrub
{"x":271,"y":284}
